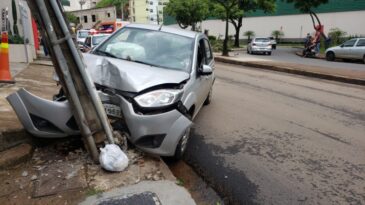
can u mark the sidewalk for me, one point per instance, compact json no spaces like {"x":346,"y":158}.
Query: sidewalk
{"x":335,"y":74}
{"x":61,"y":171}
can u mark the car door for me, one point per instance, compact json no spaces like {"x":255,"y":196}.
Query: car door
{"x":210,"y":62}
{"x":344,"y":51}
{"x":358,"y":51}
{"x":87,"y":44}
{"x":201,"y":80}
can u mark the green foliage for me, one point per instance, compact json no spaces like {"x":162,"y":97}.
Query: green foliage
{"x":16,"y":39}
{"x":117,"y":3}
{"x":306,"y":6}
{"x":337,"y":36}
{"x":277,"y":34}
{"x":188,"y":12}
{"x":180,"y":182}
{"x":212,"y":38}
{"x":249,"y":34}
{"x":15,"y":18}
{"x":93,"y":191}
{"x":72,"y":18}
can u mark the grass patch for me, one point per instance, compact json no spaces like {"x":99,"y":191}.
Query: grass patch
{"x":93,"y":191}
{"x":180,"y":182}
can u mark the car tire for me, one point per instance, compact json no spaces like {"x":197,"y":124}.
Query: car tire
{"x":208,"y":100}
{"x":330,"y":56}
{"x":363,"y":59}
{"x":181,"y":145}
{"x":248,"y":51}
{"x":269,"y":53}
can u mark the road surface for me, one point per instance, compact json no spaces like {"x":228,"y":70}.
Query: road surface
{"x":287,"y":54}
{"x":275,"y":138}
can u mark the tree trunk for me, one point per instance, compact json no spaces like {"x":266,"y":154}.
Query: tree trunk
{"x":193,"y":27}
{"x":225,"y":42}
{"x":237,"y":38}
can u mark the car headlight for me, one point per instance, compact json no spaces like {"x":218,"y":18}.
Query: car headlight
{"x":159,"y":98}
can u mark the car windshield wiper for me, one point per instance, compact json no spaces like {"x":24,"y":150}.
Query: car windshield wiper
{"x":105,"y":53}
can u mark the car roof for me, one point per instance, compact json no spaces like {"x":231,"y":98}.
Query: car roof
{"x":167,"y":29}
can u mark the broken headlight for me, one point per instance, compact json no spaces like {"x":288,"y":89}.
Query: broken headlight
{"x":159,"y":98}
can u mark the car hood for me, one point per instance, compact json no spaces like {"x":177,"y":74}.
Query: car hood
{"x":129,"y":76}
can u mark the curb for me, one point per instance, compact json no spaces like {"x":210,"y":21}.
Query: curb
{"x":337,"y":78}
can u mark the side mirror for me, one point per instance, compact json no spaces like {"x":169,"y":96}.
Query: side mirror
{"x":206,"y":70}
{"x":342,"y":46}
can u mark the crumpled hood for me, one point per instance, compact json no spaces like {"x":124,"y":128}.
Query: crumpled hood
{"x":129,"y":76}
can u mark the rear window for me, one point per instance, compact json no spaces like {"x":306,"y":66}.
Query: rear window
{"x":262,"y":40}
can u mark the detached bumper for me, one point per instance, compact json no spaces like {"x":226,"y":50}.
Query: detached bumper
{"x":43,"y":118}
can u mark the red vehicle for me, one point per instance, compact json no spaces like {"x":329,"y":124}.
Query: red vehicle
{"x":110,"y":27}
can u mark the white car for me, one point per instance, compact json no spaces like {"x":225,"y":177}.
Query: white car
{"x":81,"y":36}
{"x":92,"y":41}
{"x":351,"y":49}
{"x":259,"y":45}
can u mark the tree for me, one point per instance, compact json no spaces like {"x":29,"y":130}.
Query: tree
{"x":307,"y":6}
{"x":227,"y":8}
{"x":72,"y":18}
{"x":120,"y":5}
{"x":15,"y":18}
{"x":277,"y":34}
{"x":249,"y":34}
{"x":239,"y":11}
{"x":188,"y":12}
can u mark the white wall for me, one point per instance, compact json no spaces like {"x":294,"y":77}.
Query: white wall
{"x":293,"y":26}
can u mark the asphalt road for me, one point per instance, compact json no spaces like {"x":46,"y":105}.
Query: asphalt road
{"x":287,"y":54}
{"x":274,"y":138}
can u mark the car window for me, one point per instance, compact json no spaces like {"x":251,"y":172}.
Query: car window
{"x":208,"y":51}
{"x":201,"y":54}
{"x":98,"y":39}
{"x":262,"y":40}
{"x":361,"y":43}
{"x":83,"y":34}
{"x":88,"y":41}
{"x":156,"y":48}
{"x":349,"y":43}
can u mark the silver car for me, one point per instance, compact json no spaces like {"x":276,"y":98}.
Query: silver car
{"x":259,"y":45}
{"x":152,"y":81}
{"x":351,"y":49}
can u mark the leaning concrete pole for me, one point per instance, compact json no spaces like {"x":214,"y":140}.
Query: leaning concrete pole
{"x":79,"y":88}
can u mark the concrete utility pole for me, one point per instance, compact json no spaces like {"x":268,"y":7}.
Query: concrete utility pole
{"x":80,"y":90}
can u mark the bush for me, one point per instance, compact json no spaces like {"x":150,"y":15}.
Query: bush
{"x":16,"y":39}
{"x":212,"y":38}
{"x":337,"y":36}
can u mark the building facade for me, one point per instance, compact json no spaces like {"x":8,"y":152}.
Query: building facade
{"x":88,"y":18}
{"x":74,"y":5}
{"x":346,"y":15}
{"x":147,"y":11}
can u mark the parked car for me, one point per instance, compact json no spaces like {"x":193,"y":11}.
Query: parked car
{"x":259,"y":45}
{"x":351,"y":49}
{"x":92,"y":41}
{"x":273,"y":42}
{"x":81,"y":36}
{"x":152,"y":81}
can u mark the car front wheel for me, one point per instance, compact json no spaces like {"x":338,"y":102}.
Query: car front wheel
{"x":330,"y":56}
{"x":181,"y":146}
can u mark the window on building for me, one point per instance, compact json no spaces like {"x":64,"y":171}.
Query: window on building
{"x":147,"y":9}
{"x":85,"y":19}
{"x":152,"y":19}
{"x":160,"y":3}
{"x":160,"y":12}
{"x":164,"y":3}
{"x":151,"y":10}
{"x":108,"y":15}
{"x":151,"y":2}
{"x":93,"y":18}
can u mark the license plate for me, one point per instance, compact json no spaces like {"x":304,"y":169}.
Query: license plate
{"x":113,"y":110}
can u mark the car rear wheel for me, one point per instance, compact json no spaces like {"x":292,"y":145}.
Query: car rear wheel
{"x":363,"y":59}
{"x":248,"y":51}
{"x":269,"y":53}
{"x":330,"y":56}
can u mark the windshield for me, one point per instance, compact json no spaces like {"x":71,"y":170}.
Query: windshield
{"x":150,"y":47}
{"x":98,"y":39}
{"x":83,"y":34}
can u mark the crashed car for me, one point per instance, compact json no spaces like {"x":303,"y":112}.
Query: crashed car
{"x":152,"y":79}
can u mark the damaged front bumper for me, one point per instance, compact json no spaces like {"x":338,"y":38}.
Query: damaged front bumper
{"x":157,"y":133}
